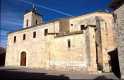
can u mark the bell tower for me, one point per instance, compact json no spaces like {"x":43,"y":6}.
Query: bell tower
{"x":32,"y":18}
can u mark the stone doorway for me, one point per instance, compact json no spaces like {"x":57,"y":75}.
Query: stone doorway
{"x":23,"y":59}
{"x":114,"y":62}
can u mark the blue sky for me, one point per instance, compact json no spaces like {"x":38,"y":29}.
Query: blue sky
{"x":12,"y":11}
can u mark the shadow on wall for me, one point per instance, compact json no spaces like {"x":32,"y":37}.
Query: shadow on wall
{"x":114,"y":62}
{"x":2,"y":56}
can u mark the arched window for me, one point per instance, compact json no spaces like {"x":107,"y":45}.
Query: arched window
{"x":23,"y":59}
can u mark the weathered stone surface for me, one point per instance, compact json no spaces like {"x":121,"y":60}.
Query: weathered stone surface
{"x":119,"y":26}
{"x":55,"y":52}
{"x":31,"y":19}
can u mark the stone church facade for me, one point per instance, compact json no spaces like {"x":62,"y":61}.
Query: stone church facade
{"x":78,"y":44}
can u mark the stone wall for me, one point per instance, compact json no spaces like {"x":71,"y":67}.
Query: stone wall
{"x":35,"y":48}
{"x":119,"y":26}
{"x":71,"y":58}
{"x":105,"y":34}
{"x":30,"y":19}
{"x":64,"y":26}
{"x":66,"y":51}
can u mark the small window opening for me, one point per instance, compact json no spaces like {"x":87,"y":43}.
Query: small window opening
{"x":27,"y":22}
{"x":71,"y":24}
{"x":69,"y":43}
{"x":36,"y":22}
{"x":34,"y":34}
{"x":24,"y":36}
{"x":45,"y":32}
{"x":14,"y":39}
{"x":82,"y":27}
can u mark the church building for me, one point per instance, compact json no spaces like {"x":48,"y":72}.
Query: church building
{"x":78,"y":44}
